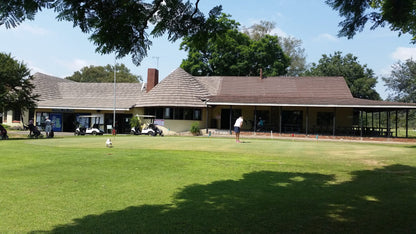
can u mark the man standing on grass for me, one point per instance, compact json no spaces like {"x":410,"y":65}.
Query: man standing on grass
{"x":237,"y":128}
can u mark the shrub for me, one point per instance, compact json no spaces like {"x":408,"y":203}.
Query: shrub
{"x":135,"y":122}
{"x":195,"y":130}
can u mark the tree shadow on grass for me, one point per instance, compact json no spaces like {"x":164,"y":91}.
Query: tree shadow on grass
{"x":374,"y":201}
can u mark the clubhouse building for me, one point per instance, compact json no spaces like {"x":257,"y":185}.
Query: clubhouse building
{"x":301,"y":105}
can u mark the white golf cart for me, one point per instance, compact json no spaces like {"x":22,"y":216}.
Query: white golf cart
{"x":89,"y":124}
{"x":148,"y":126}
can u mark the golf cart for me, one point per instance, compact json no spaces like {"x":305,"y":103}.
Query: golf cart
{"x":148,"y":126}
{"x":92,"y":122}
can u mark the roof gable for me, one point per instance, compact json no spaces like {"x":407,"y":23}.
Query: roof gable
{"x":178,"y":89}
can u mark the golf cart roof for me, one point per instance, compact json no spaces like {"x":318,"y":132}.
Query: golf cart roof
{"x":90,"y":116}
{"x":146,"y":116}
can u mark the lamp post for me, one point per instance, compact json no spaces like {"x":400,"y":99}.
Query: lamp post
{"x":115,"y":98}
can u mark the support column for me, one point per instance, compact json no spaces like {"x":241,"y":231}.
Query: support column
{"x":231,"y":119}
{"x":280,"y":119}
{"x":307,"y":120}
{"x":396,"y":122}
{"x":334,"y":121}
{"x":388,"y":123}
{"x":361,"y":123}
{"x":255,"y":119}
{"x":379,"y":120}
{"x":407,"y":123}
{"x":207,"y":121}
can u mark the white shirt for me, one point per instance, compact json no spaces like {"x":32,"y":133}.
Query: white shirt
{"x":238,"y":122}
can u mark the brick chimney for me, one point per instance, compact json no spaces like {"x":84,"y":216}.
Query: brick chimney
{"x":261,"y":73}
{"x":152,"y":78}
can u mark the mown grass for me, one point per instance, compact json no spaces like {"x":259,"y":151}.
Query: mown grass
{"x":204,"y":185}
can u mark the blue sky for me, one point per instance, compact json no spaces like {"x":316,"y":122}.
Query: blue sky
{"x":56,"y":48}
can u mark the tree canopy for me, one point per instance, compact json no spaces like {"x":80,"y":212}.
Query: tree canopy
{"x":16,"y":88}
{"x":100,"y":74}
{"x":402,"y":81}
{"x":290,"y":46}
{"x":228,"y":51}
{"x":399,"y":14}
{"x":359,"y":78}
{"x":120,"y":27}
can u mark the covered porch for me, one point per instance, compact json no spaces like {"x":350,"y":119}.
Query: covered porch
{"x":348,"y":120}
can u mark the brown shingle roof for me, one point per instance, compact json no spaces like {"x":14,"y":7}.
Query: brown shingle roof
{"x":61,"y":93}
{"x":178,"y":89}
{"x":288,"y":87}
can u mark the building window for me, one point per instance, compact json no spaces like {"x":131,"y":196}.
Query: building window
{"x":179,"y":113}
{"x":197,"y":114}
{"x":17,"y":115}
{"x":168,"y":113}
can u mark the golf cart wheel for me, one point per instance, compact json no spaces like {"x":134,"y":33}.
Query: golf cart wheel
{"x":152,"y":134}
{"x":94,"y":133}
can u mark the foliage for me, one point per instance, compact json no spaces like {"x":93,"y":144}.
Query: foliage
{"x":228,"y":52}
{"x":117,"y":26}
{"x":195,"y":130}
{"x":16,"y":88}
{"x":400,"y":15}
{"x":402,"y":81}
{"x":258,"y":31}
{"x":100,"y":74}
{"x":290,"y":46}
{"x":205,"y":185}
{"x":135,"y":122}
{"x":359,"y":78}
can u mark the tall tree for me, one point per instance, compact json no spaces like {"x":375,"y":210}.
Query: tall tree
{"x":402,"y":81}
{"x":100,"y":74}
{"x":399,"y":14}
{"x":120,"y":26}
{"x":359,"y":78}
{"x":15,"y":85}
{"x":228,"y":51}
{"x":290,"y":46}
{"x":257,"y":31}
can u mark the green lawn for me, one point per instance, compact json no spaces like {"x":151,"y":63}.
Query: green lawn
{"x":205,"y":185}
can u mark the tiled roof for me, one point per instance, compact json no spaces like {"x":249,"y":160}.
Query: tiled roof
{"x":288,"y":87}
{"x":178,"y":89}
{"x":184,"y":90}
{"x":61,"y":93}
{"x":293,"y":91}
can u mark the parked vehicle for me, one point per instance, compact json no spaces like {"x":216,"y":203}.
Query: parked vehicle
{"x":148,"y":127}
{"x":93,"y":130}
{"x":152,"y":130}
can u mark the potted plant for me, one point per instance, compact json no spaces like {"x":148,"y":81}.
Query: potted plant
{"x":136,"y":125}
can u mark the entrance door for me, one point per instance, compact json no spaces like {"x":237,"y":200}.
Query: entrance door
{"x":69,"y":122}
{"x":225,"y":117}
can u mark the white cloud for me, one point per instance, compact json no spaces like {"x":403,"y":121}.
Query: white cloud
{"x":404,"y":53}
{"x":327,"y":37}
